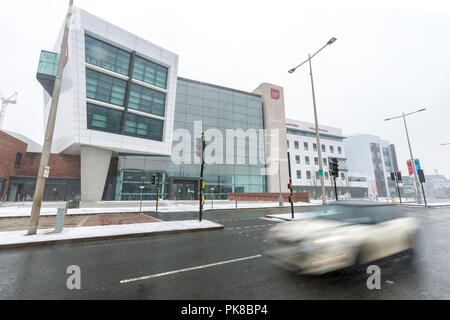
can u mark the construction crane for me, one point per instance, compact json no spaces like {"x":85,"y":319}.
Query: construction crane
{"x":5,"y":102}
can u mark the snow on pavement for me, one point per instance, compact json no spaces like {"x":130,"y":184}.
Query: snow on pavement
{"x":15,"y":212}
{"x":44,"y":235}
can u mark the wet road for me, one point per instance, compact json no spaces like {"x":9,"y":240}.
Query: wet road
{"x":224,"y":264}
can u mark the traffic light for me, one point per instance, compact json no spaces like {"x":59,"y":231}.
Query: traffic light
{"x":421,"y":176}
{"x":203,"y":199}
{"x":199,"y":147}
{"x":203,"y":185}
{"x":289,"y":186}
{"x":334,"y":167}
{"x":154,"y":179}
{"x":399,"y":176}
{"x":392,"y":176}
{"x":291,"y":199}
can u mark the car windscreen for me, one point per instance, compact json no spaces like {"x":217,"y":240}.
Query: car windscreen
{"x":357,"y":214}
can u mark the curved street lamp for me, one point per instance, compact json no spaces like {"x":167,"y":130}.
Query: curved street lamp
{"x":319,"y":148}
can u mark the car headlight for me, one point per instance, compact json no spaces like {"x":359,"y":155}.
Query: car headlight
{"x":331,"y":239}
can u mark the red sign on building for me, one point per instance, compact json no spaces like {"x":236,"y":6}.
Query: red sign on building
{"x":275,"y":94}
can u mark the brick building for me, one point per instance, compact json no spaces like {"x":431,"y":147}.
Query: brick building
{"x":19,"y":164}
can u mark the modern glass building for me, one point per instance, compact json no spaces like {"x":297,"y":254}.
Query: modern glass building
{"x":217,"y":108}
{"x":121,"y":98}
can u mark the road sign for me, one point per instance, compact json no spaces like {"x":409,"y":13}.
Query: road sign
{"x":410,"y":168}
{"x":417,"y":164}
{"x":320,"y":172}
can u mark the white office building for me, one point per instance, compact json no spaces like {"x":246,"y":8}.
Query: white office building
{"x":371,"y":158}
{"x":302,"y":145}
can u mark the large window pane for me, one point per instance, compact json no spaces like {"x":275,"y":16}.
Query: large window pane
{"x":143,"y":127}
{"x":48,"y":63}
{"x":107,"y":56}
{"x":105,"y":88}
{"x":103,"y":119}
{"x":147,"y":100}
{"x":150,"y":72}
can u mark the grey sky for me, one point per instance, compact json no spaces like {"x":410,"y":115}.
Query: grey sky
{"x":390,"y":57}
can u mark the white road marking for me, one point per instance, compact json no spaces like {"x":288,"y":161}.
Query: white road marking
{"x":189,"y":269}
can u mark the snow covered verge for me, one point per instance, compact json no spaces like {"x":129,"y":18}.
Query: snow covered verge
{"x":17,"y":238}
{"x":25,"y":211}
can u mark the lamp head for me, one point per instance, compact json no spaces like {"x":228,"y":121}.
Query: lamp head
{"x":331,"y":41}
{"x":292,"y":70}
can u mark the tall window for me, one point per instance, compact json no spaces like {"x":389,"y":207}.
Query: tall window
{"x":306,"y":160}
{"x":103,"y":119}
{"x":296,"y":145}
{"x":299,"y":174}
{"x":106,"y":56}
{"x":297,"y":159}
{"x":339,"y":150}
{"x":331,"y":149}
{"x":316,"y":161}
{"x":147,"y":100}
{"x":314,"y":147}
{"x":308,"y":174}
{"x":143,"y":127}
{"x":18,"y":161}
{"x":105,"y":88}
{"x":323,"y":148}
{"x":324,"y":161}
{"x":305,"y":145}
{"x":150,"y":72}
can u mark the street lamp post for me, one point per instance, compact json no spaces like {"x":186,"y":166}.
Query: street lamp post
{"x":419,"y":198}
{"x":316,"y":121}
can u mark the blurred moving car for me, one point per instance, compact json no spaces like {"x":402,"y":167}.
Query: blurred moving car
{"x":340,"y":235}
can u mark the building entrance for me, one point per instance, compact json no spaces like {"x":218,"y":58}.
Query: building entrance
{"x":184,"y":188}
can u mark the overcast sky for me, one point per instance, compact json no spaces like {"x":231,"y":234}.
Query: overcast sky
{"x":390,"y":57}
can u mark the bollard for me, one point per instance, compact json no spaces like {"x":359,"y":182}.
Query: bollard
{"x":60,"y":219}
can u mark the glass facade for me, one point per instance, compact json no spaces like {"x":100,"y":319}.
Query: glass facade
{"x":56,"y":189}
{"x":147,"y":100}
{"x":217,"y":108}
{"x":143,"y":127}
{"x":48,"y":63}
{"x":103,"y":119}
{"x":110,"y":89}
{"x":150,"y":72}
{"x":106,"y":56}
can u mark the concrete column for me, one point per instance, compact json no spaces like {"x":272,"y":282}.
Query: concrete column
{"x":94,"y":170}
{"x":274,"y":118}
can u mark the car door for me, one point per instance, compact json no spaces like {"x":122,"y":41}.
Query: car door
{"x":384,"y":237}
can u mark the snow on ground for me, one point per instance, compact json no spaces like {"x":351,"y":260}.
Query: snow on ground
{"x":44,"y":235}
{"x":25,"y":211}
